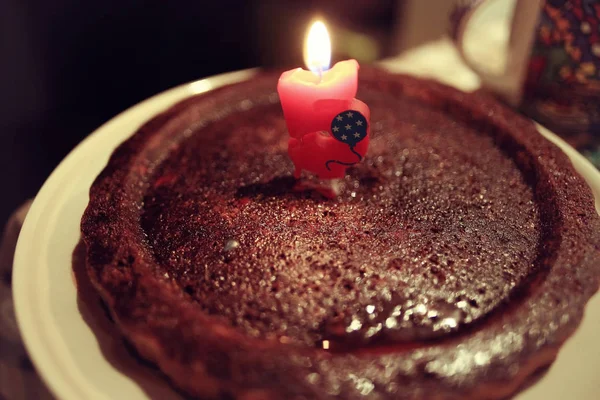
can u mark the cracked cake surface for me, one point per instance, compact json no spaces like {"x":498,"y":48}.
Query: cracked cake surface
{"x":454,"y":262}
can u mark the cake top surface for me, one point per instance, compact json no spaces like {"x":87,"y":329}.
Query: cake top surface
{"x":462,"y":226}
{"x":421,"y":241}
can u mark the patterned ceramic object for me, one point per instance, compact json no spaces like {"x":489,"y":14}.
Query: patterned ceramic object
{"x":562,"y":88}
{"x":555,"y":78}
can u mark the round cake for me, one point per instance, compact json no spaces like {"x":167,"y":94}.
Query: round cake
{"x":454,"y":262}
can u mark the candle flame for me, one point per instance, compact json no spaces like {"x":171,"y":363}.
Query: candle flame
{"x":317,"y":48}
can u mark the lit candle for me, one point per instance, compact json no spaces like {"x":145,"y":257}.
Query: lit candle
{"x":328,"y":127}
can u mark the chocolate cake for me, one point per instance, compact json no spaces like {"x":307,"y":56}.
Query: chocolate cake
{"x":456,"y":259}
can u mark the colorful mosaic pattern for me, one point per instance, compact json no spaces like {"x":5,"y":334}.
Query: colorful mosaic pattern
{"x":568,"y":43}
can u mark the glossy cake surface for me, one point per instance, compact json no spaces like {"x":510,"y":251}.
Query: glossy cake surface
{"x":456,"y":259}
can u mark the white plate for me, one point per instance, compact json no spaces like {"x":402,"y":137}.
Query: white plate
{"x":79,"y":359}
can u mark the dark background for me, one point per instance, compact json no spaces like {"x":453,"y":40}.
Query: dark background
{"x":67,"y":66}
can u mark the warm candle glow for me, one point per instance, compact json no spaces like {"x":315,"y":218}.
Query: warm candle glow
{"x":317,"y":48}
{"x":319,"y":101}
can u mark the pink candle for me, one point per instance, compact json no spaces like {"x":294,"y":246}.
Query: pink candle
{"x":328,"y":127}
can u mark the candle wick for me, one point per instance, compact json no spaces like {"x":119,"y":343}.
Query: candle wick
{"x":320,"y":71}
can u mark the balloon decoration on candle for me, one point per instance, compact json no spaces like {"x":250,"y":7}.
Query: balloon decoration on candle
{"x":329,"y":129}
{"x":354,"y":130}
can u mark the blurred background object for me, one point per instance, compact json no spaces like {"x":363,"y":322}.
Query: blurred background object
{"x":68,"y":66}
{"x":541,"y":57}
